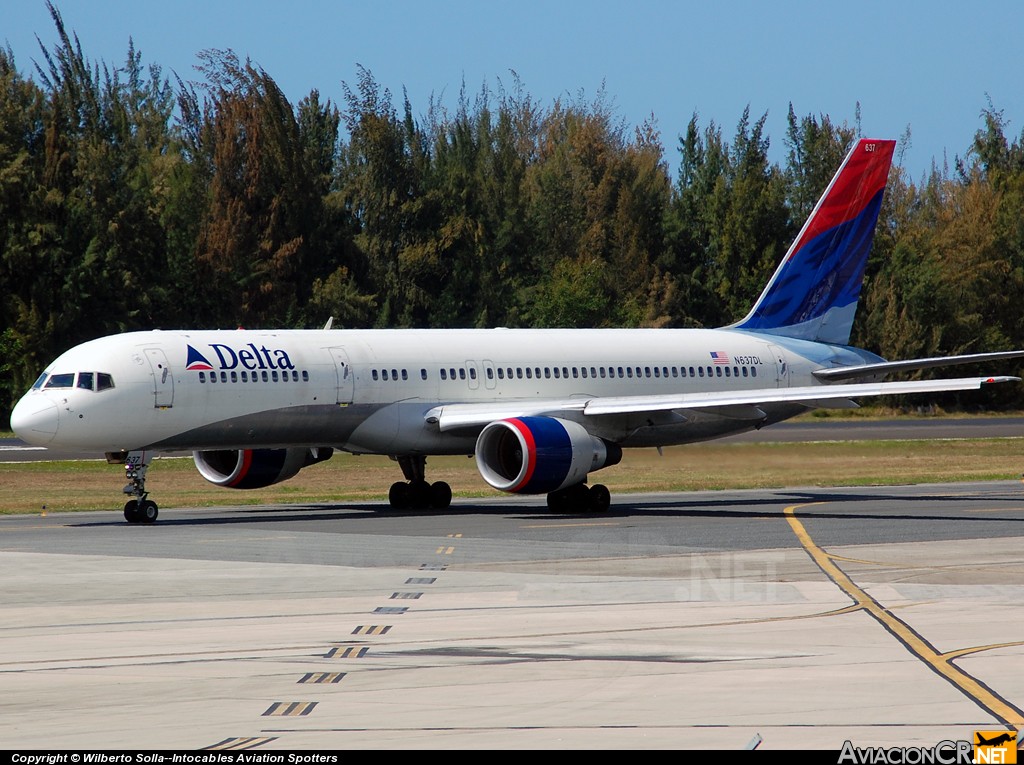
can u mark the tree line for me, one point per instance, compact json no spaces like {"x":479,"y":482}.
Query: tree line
{"x":131,"y":200}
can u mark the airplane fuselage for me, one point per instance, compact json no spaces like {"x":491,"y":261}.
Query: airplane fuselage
{"x":371,"y":391}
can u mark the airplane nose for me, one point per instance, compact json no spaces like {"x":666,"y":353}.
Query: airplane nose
{"x":34,"y":420}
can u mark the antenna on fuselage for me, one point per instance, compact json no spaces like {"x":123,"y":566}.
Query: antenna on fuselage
{"x":330,"y":321}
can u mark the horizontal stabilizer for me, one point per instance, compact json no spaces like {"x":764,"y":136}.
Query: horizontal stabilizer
{"x":885,"y":367}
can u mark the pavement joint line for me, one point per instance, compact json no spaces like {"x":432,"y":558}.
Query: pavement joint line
{"x":985,"y":697}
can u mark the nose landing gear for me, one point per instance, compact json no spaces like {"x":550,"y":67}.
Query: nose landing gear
{"x":138,"y":509}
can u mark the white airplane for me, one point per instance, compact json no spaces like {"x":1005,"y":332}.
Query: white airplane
{"x":540,"y":409}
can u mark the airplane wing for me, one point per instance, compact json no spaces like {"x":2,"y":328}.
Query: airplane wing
{"x":885,"y":367}
{"x":459,"y":416}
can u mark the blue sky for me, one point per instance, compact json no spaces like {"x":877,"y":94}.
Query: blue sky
{"x":928,"y":65}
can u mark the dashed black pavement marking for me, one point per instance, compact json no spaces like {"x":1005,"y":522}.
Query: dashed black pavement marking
{"x":241,"y":743}
{"x":421,"y":580}
{"x":372,"y":629}
{"x":406,"y":595}
{"x":322,"y":677}
{"x":290,"y":709}
{"x":347,"y":652}
{"x":433,"y":566}
{"x":390,"y":609}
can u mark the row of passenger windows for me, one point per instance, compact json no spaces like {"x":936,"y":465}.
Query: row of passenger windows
{"x":530,"y":373}
{"x":265,"y":376}
{"x":86,"y":380}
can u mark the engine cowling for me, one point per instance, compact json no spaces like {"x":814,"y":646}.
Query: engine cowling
{"x":537,"y":455}
{"x":255,"y":468}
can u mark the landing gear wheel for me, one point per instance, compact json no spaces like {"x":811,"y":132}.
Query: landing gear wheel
{"x":148,"y":511}
{"x":440,"y":495}
{"x":600,"y":498}
{"x":580,"y":499}
{"x":131,"y":511}
{"x":400,"y":495}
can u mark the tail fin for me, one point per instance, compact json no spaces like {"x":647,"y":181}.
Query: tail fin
{"x":813,"y":294}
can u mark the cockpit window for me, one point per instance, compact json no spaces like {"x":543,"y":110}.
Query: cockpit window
{"x":85,"y":380}
{"x":39,"y":381}
{"x":104,"y":381}
{"x":61,"y":381}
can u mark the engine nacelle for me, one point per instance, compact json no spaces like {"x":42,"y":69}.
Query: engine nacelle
{"x":537,"y":455}
{"x":255,"y":468}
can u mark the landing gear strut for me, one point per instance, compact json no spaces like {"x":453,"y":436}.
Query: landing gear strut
{"x":415,"y":492}
{"x":580,"y":499}
{"x":138,"y":509}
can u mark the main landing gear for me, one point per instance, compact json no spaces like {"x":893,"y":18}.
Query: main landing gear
{"x":138,"y":509}
{"x":415,"y":492}
{"x":580,"y":499}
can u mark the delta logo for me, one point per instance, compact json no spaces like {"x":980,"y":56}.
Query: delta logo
{"x":247,"y":357}
{"x":196,"y":361}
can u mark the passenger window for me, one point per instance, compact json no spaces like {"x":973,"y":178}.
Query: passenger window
{"x":565,"y":372}
{"x":718,"y":371}
{"x":547,"y":373}
{"x":202,"y":377}
{"x":245,"y":376}
{"x":85,"y":380}
{"x":405,"y":375}
{"x":423,"y":374}
{"x":629,"y":372}
{"x":234,"y":377}
{"x":373,"y":374}
{"x":726,"y":372}
{"x":700,"y":370}
{"x":501,"y":373}
{"x":295,"y":375}
{"x":305,"y":376}
{"x":213,"y":377}
{"x":744,"y":371}
{"x":444,"y":374}
{"x":273,"y":375}
{"x":556,"y":373}
{"x":753,"y":371}
{"x":472,"y":373}
{"x":529,"y":373}
{"x":266,"y":377}
{"x":462,"y":373}
{"x":583,"y":370}
{"x":394,"y":374}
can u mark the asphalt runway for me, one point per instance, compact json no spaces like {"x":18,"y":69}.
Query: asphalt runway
{"x":808,"y":617}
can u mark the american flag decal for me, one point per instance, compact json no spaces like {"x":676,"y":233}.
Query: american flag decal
{"x":719,"y":357}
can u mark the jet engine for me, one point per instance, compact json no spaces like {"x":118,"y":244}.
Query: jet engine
{"x":255,"y":468}
{"x":537,"y":455}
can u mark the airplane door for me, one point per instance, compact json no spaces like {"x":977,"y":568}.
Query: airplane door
{"x":163,"y":380}
{"x":345,"y":376}
{"x":781,"y":364}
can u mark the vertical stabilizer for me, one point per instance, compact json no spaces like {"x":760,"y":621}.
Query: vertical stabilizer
{"x":813,"y":294}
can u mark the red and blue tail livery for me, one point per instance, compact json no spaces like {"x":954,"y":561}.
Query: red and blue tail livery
{"x":814,"y":292}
